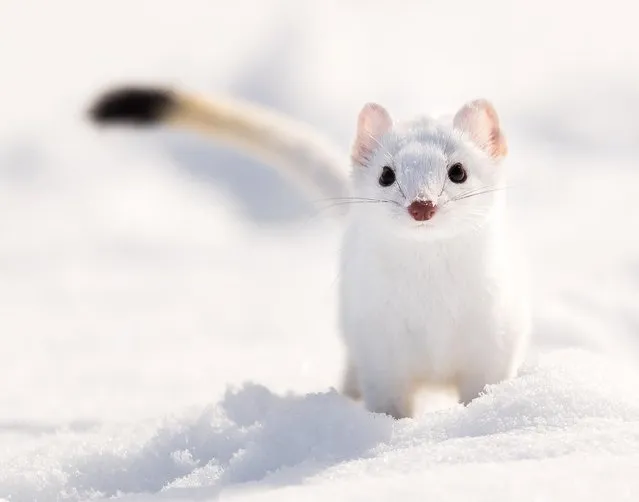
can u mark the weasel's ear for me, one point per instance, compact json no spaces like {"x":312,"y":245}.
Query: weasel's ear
{"x":373,"y":122}
{"x":479,"y":120}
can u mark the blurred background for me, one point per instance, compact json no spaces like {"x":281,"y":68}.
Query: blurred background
{"x":141,"y":273}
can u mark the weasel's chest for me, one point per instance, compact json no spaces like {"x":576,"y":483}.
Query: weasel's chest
{"x":418,"y":298}
{"x":421,"y":282}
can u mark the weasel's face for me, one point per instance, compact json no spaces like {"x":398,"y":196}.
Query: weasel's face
{"x":427,"y":180}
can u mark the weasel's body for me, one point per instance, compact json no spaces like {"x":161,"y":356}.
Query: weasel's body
{"x":424,"y":312}
{"x":429,"y":290}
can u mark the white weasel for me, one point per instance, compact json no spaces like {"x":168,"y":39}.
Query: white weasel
{"x":430,"y":292}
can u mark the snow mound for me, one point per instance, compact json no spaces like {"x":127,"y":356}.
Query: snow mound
{"x":570,"y":402}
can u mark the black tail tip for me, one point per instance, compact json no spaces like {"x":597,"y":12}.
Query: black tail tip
{"x":133,"y":105}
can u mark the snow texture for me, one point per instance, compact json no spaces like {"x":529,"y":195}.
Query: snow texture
{"x":168,"y":307}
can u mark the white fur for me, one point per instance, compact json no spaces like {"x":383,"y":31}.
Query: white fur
{"x":438,"y":302}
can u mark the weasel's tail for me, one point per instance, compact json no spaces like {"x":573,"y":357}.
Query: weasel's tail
{"x":300,"y":152}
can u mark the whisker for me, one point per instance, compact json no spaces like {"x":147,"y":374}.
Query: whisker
{"x":401,"y":191}
{"x":473,"y":190}
{"x":476,"y":193}
{"x":486,"y":187}
{"x":388,"y":155}
{"x":443,"y":186}
{"x":372,"y":201}
{"x":385,"y":150}
{"x":340,"y":199}
{"x":478,"y":189}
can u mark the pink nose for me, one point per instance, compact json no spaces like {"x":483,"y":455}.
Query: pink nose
{"x":422,"y":210}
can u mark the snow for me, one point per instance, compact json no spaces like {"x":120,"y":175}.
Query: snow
{"x":167,"y":307}
{"x":557,"y":410}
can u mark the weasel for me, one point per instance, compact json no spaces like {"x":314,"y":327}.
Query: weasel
{"x":430,"y":290}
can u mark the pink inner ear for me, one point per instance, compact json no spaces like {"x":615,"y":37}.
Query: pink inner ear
{"x":373,"y":122}
{"x":479,"y":120}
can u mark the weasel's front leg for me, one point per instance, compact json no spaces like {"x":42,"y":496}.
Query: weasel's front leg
{"x":472,"y":383}
{"x":469,"y":387}
{"x":350,"y":385}
{"x":502,"y":364}
{"x":386,"y":392}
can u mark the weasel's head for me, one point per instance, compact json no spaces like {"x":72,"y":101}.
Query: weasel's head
{"x":425,"y":178}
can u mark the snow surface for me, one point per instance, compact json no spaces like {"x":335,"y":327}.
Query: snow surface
{"x":167,"y":307}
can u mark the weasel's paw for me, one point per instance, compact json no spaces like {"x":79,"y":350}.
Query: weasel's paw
{"x":395,"y":401}
{"x":350,"y":385}
{"x":396,"y":412}
{"x":471,"y":386}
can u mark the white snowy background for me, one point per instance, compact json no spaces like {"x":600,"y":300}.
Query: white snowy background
{"x":167,"y":307}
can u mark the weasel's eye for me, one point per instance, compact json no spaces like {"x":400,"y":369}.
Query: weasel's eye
{"x":387,"y":178}
{"x":457,"y":173}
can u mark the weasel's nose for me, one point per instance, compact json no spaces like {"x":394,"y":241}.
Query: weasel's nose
{"x":422,"y":210}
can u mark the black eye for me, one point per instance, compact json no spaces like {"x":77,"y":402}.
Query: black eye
{"x":387,"y":178}
{"x":457,"y":173}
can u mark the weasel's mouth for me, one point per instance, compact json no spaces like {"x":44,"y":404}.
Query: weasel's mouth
{"x":420,"y":225}
{"x":427,"y":225}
